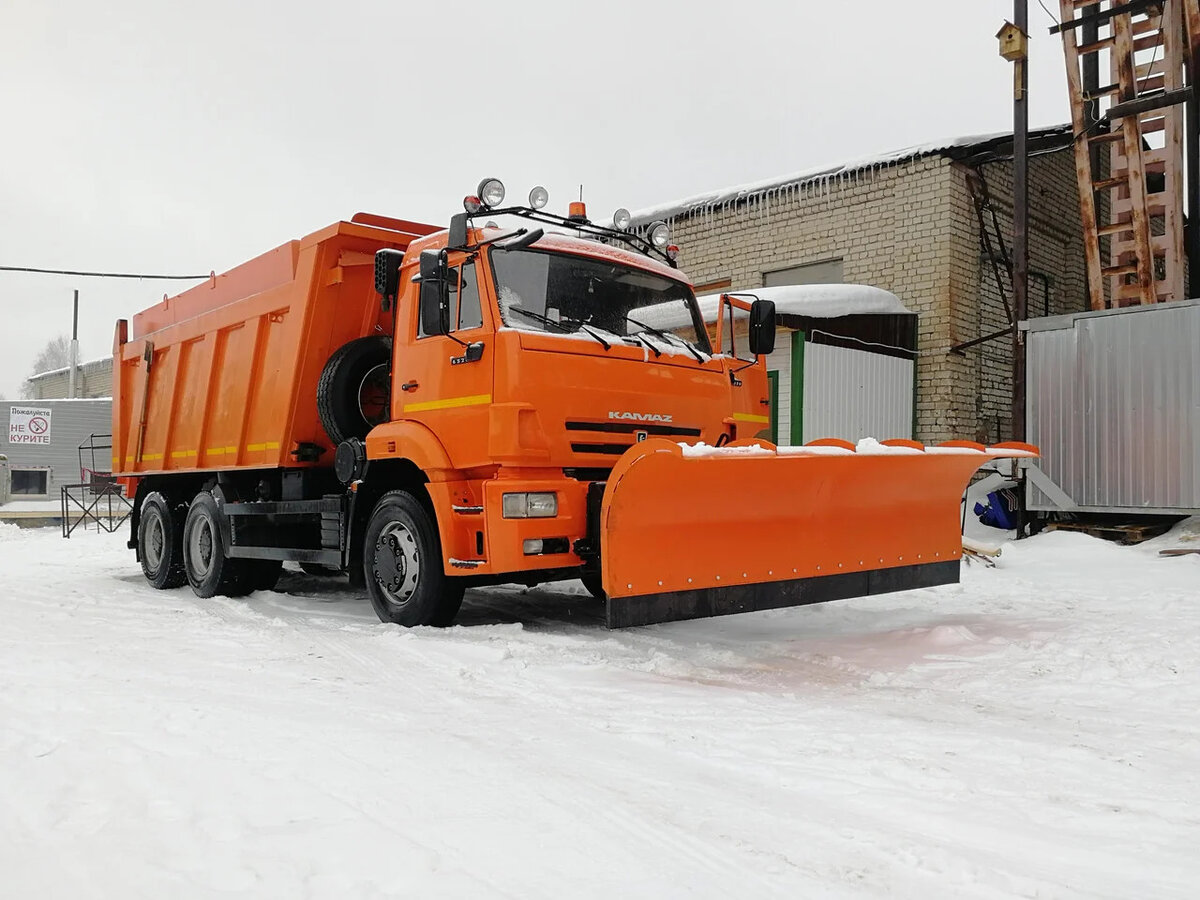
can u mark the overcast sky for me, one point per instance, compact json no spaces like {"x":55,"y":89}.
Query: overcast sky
{"x":140,"y":137}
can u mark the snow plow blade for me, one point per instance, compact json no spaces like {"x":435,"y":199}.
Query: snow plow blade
{"x":691,"y":532}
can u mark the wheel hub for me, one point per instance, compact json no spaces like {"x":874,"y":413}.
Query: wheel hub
{"x":200,"y":546}
{"x":396,"y":564}
{"x":155,"y":540}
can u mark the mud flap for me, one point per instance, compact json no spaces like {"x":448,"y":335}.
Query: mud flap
{"x":693,"y":532}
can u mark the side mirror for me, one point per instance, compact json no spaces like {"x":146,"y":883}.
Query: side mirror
{"x":458,"y":232}
{"x":762,"y":327}
{"x":387,"y":272}
{"x":435,"y":302}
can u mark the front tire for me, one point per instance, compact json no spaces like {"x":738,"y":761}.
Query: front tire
{"x":209,"y":570}
{"x":160,"y":543}
{"x":402,"y":563}
{"x":594,"y":586}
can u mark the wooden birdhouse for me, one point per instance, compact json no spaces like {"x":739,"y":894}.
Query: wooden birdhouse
{"x":1014,"y":43}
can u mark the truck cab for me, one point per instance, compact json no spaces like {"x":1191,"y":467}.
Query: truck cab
{"x":525,"y":364}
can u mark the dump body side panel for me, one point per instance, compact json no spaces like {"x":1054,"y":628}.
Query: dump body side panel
{"x":224,"y":375}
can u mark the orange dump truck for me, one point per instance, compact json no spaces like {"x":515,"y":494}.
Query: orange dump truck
{"x":430,"y":409}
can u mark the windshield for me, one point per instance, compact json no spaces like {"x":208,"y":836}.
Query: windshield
{"x":563,"y":294}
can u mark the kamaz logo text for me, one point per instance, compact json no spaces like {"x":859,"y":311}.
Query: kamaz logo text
{"x":639,"y":417}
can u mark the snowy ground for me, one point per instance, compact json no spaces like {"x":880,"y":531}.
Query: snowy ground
{"x":1034,"y":731}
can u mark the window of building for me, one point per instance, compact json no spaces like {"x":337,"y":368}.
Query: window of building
{"x":827,"y":271}
{"x":29,"y":482}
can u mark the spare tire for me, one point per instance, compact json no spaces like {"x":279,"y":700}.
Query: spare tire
{"x":354,"y":393}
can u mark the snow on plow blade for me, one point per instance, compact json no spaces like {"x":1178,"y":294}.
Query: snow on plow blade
{"x":689,"y":532}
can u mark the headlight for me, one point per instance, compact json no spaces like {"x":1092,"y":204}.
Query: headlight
{"x":621,"y":219}
{"x":530,"y":506}
{"x":660,"y":235}
{"x":539,"y":197}
{"x":491,"y":191}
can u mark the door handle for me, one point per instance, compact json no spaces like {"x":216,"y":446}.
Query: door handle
{"x":409,"y":386}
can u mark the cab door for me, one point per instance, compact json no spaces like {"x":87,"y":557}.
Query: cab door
{"x":444,"y":381}
{"x":748,"y":384}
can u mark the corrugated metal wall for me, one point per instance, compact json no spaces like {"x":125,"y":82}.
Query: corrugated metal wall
{"x":71,"y":422}
{"x":852,"y":394}
{"x":780,"y":360}
{"x":1114,"y":404}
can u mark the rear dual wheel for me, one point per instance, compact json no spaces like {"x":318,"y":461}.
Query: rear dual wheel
{"x":402,"y":563}
{"x":209,"y":570}
{"x":160,"y":542}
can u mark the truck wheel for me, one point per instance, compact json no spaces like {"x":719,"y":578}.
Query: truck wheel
{"x":402,"y":562}
{"x":209,"y":570}
{"x":354,"y":393}
{"x":594,"y":586}
{"x":160,"y":543}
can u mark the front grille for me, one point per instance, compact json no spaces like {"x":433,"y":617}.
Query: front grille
{"x":607,"y":449}
{"x":631,"y":427}
{"x":587,"y":474}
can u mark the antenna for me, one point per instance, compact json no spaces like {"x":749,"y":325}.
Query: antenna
{"x":581,"y":193}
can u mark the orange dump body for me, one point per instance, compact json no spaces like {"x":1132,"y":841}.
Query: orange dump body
{"x":224,"y":375}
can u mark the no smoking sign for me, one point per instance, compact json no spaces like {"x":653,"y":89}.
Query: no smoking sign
{"x":28,"y":425}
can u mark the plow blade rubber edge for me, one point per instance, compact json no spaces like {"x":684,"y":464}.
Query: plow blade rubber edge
{"x":690,"y":533}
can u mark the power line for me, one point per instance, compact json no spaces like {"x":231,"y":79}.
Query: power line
{"x":1052,"y":16}
{"x":104,"y":274}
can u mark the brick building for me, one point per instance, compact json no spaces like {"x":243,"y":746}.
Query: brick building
{"x":92,"y":379}
{"x":907,"y":222}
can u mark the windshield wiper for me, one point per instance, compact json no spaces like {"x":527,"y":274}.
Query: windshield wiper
{"x":645,"y":343}
{"x":607,"y":345}
{"x":666,"y":336}
{"x":560,"y":326}
{"x":545,"y":320}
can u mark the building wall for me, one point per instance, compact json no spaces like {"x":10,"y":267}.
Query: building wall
{"x":1057,"y":283}
{"x":92,"y":379}
{"x":71,"y":422}
{"x":909,"y":228}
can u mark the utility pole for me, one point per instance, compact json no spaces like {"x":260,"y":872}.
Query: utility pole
{"x":74,"y":348}
{"x":1014,"y":46}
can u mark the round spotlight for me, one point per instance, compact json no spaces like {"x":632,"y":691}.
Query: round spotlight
{"x":672,"y":252}
{"x":660,"y":235}
{"x":539,"y":197}
{"x":491,"y":192}
{"x":621,"y":219}
{"x":472,"y":204}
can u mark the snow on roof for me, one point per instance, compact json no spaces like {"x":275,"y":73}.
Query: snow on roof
{"x":42,"y":401}
{"x":818,"y":301}
{"x":83,"y":365}
{"x":724,"y":196}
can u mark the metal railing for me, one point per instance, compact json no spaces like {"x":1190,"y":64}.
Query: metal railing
{"x":97,"y":498}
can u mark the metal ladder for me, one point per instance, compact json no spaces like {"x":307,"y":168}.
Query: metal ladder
{"x":1131,"y":200}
